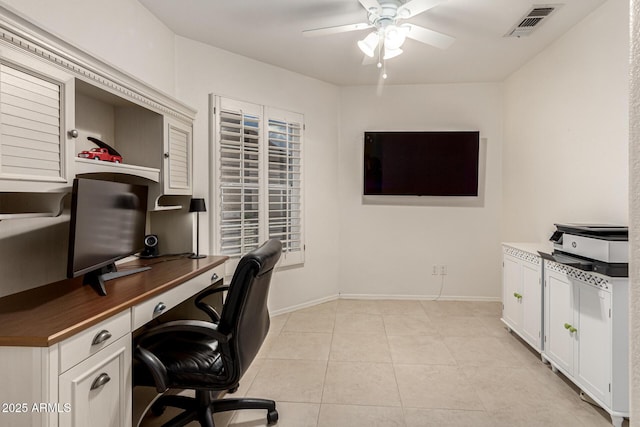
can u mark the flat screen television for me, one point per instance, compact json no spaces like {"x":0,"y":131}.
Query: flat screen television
{"x":107,"y":224}
{"x":421,"y":163}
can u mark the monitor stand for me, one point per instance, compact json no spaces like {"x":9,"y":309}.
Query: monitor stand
{"x":96,"y":278}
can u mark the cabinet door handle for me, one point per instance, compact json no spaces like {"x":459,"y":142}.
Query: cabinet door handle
{"x":102,"y":336}
{"x":100,"y":381}
{"x":159,"y":308}
{"x":567,"y":326}
{"x":572,"y":329}
{"x":517,"y":295}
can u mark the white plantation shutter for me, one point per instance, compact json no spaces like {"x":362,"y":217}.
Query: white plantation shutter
{"x":29,"y":125}
{"x":258,"y":172}
{"x":284,"y":183}
{"x":239,"y":140}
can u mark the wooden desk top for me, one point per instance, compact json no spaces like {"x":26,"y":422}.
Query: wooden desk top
{"x":43,"y":316}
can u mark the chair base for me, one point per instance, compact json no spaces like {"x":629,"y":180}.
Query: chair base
{"x":203,"y":406}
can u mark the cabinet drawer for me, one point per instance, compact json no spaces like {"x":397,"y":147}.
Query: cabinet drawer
{"x":77,"y":348}
{"x":97,"y":391}
{"x":154,"y":307}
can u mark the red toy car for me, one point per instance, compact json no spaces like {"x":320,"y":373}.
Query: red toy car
{"x":100,"y":154}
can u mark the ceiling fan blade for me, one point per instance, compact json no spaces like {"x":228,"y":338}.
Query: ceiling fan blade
{"x":370,"y":4}
{"x":414,"y":7}
{"x":427,"y":36}
{"x":334,"y":30}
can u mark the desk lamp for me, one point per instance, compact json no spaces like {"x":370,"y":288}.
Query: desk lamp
{"x":197,"y":206}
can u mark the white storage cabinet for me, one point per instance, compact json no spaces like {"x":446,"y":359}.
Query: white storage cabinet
{"x":586,"y":334}
{"x":522,"y":295}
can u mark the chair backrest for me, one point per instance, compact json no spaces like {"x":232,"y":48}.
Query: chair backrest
{"x":245,"y":313}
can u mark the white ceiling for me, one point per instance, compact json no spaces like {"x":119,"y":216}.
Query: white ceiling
{"x":271,"y":32}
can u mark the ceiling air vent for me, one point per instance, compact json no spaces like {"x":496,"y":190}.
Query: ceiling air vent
{"x":532,"y":20}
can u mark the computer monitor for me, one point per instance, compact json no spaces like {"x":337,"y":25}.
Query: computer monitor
{"x":107,"y":224}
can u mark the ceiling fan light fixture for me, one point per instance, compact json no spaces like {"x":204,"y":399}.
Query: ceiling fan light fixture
{"x":391,"y":53}
{"x":368,"y":44}
{"x":395,"y":36}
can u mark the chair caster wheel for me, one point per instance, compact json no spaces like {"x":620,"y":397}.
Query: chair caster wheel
{"x":272,"y":417}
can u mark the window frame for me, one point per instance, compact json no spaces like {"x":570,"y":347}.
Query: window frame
{"x":293,"y":248}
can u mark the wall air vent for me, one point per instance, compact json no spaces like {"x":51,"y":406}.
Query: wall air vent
{"x":532,"y":20}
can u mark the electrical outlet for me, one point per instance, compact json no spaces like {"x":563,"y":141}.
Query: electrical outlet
{"x":434,"y":270}
{"x":443,"y":270}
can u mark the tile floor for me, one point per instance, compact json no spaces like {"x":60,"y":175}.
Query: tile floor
{"x":405,"y":363}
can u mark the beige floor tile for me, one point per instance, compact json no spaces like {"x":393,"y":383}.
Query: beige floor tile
{"x":247,"y":378}
{"x":354,"y":306}
{"x":400,"y":324}
{"x":326,"y":308}
{"x":488,"y":308}
{"x":405,"y":307}
{"x":436,"y":387}
{"x":290,"y":414}
{"x":460,"y":326}
{"x":481,"y":351}
{"x":494,"y":326}
{"x":420,"y":350}
{"x":277,"y":323}
{"x":309,"y":322}
{"x":360,"y":416}
{"x":447,"y":308}
{"x":289,"y":380}
{"x":300,"y":345}
{"x":517,"y":389}
{"x":360,"y":348}
{"x":449,"y":418}
{"x":360,"y":383}
{"x":359,"y":324}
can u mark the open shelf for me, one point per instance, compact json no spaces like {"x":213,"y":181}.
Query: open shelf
{"x":31,"y":205}
{"x":86,"y":166}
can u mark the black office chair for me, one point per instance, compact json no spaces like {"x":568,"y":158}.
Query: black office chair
{"x":211,"y":357}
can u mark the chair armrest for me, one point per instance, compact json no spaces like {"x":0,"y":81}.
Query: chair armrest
{"x":207,"y":329}
{"x":156,"y":367}
{"x":211,"y":312}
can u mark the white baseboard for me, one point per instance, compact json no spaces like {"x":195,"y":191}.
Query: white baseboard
{"x":419,"y":297}
{"x":303,"y":305}
{"x":382,"y":297}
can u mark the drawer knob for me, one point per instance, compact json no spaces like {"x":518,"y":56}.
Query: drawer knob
{"x":100,"y":381}
{"x":214,"y":276}
{"x":159,"y":308}
{"x":101,"y":337}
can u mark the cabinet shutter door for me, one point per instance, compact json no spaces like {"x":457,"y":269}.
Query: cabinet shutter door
{"x":178,"y":157}
{"x":284,"y":183}
{"x":239,"y":178}
{"x":30,"y":117}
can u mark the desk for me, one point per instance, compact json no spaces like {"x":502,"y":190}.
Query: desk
{"x":65,"y":352}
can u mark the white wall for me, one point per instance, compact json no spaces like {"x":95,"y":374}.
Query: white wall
{"x":566,"y":130}
{"x":634,"y":217}
{"x":389,"y":250}
{"x":121,"y":32}
{"x":202,"y":69}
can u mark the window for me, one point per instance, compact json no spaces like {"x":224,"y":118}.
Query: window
{"x":258,"y":179}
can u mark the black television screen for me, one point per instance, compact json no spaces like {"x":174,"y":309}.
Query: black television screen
{"x":421,"y":163}
{"x":107,"y":224}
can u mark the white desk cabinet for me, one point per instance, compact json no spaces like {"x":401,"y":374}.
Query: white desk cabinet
{"x":522,"y":295}
{"x":56,"y":371}
{"x":586,"y":334}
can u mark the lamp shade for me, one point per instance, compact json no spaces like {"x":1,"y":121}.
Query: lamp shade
{"x":197,"y":205}
{"x":368,"y":44}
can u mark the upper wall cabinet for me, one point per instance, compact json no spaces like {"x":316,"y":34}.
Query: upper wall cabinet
{"x":56,"y":100}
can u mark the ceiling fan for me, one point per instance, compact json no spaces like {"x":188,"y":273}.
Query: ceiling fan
{"x":389,"y":33}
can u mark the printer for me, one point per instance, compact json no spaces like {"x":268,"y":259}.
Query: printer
{"x":600,"y":248}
